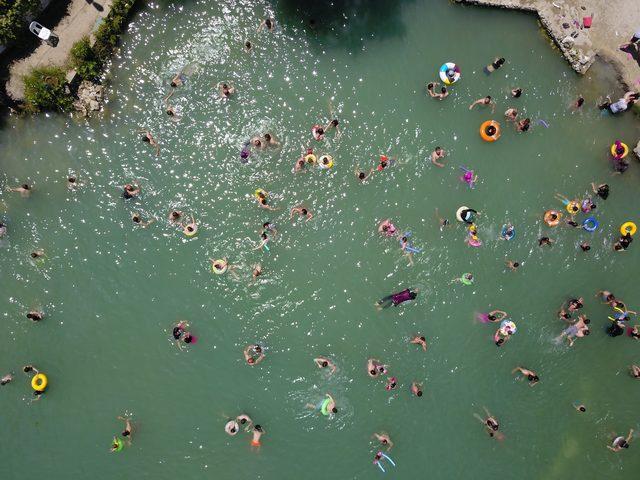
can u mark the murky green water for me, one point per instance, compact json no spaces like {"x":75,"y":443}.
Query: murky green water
{"x":112,"y":292}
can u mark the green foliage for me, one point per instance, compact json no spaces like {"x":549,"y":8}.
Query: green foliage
{"x":110,"y":29}
{"x":44,"y":89}
{"x":12,"y":18}
{"x":84,"y":60}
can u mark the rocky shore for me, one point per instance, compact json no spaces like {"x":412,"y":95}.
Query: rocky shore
{"x":613,"y":22}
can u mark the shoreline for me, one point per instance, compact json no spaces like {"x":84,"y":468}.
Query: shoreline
{"x":563,"y":22}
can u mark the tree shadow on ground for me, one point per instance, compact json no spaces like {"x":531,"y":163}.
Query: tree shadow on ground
{"x":343,"y":23}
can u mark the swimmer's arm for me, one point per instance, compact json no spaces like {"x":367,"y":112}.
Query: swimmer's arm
{"x":630,"y":436}
{"x":611,"y":448}
{"x":493,"y":106}
{"x":259,"y":359}
{"x":332,"y":367}
{"x":309,"y":216}
{"x":261,"y":26}
{"x":166,"y":99}
{"x":436,"y":163}
{"x":262,"y":244}
{"x":474,"y":104}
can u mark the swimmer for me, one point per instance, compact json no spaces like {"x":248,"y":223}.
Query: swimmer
{"x":333,"y":124}
{"x":484,"y":101}
{"x":178,"y":80}
{"x":131,"y":190}
{"x":3,"y":229}
{"x":564,"y":315}
{"x":262,"y":201}
{"x":191,"y":228}
{"x":225,"y":90}
{"x":256,"y":272}
{"x":318,"y":132}
{"x":530,"y":374}
{"x":268,"y":23}
{"x":27,"y":369}
{"x":137,"y":219}
{"x":72,"y":182}
{"x":128,"y":429}
{"x":416,"y":389}
{"x":37,"y":254}
{"x":544,"y":241}
{"x":619,"y":442}
{"x":443,"y":222}
{"x":493,"y":316}
{"x":495,"y":65}
{"x":302,"y":211}
{"x":508,"y":232}
{"x":601,"y":190}
{"x":387,"y":228}
{"x":373,"y":367}
{"x":444,"y":93}
{"x":6,"y":379}
{"x":270,"y":141}
{"x":513,"y":266}
{"x":623,"y":243}
{"x":219,"y":265}
{"x":585,"y":247}
{"x":169,"y":110}
{"x":385,"y":162}
{"x":231,"y":427}
{"x":634,"y":370}
{"x":255,"y":357}
{"x":116,"y":445}
{"x":268,"y":227}
{"x":404,"y":243}
{"x":491,"y":424}
{"x":516,"y":92}
{"x":257,"y":142}
{"x":299,"y":165}
{"x":579,"y":407}
{"x":245,"y":421}
{"x":175,"y":216}
{"x":392,"y":383}
{"x":437,"y":154}
{"x":247,"y":46}
{"x":418,"y":340}
{"x":396,"y":299}
{"x":502,"y":335}
{"x":511,"y":114}
{"x":634,"y":332}
{"x":330,"y":406}
{"x":578,"y":103}
{"x":575,"y":304}
{"x":24,"y":190}
{"x":465,"y":279}
{"x":523,"y":125}
{"x":258,"y":431}
{"x":35,"y":315}
{"x":148,"y":138}
{"x":179,"y":329}
{"x":384,"y":439}
{"x":361,"y":175}
{"x":264,"y":240}
{"x":324,"y":362}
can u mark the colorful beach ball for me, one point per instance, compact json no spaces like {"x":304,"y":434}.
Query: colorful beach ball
{"x":449,"y":73}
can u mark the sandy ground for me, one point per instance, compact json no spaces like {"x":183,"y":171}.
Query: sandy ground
{"x":614,"y":22}
{"x":81,"y":20}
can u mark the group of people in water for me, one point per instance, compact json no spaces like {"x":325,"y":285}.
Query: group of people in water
{"x":577,"y":324}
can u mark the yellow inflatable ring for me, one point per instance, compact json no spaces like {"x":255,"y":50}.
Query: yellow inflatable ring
{"x":615,"y":153}
{"x":191,"y":233}
{"x":490,"y":131}
{"x":573,"y":207}
{"x":310,"y":158}
{"x":549,"y":218}
{"x":628,"y":228}
{"x":39,"y":382}
{"x":259,"y":192}
{"x":219,"y":271}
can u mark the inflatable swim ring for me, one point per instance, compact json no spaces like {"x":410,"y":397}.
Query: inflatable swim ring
{"x":490,"y":131}
{"x":508,"y":234}
{"x":465,"y":280}
{"x":552,"y":218}
{"x":474,"y":241}
{"x":190,"y":233}
{"x":117,"y":445}
{"x":310,"y":158}
{"x":219,"y":271}
{"x":260,"y":192}
{"x":468,"y":218}
{"x":619,"y":156}
{"x":507,"y":327}
{"x":39,"y":382}
{"x":628,"y":228}
{"x":590,"y":224}
{"x":325,"y":161}
{"x":450,"y":73}
{"x":324,"y":408}
{"x":573,"y":207}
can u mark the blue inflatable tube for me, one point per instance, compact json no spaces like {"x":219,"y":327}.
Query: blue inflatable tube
{"x":590,"y":224}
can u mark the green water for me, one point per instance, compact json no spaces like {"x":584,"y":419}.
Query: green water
{"x":111,"y":292}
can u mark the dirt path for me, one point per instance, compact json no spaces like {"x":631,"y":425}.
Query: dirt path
{"x":614,"y":22}
{"x":82,"y":18}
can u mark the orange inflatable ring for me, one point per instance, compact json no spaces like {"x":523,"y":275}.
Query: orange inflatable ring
{"x":552,"y":218}
{"x":490,"y":131}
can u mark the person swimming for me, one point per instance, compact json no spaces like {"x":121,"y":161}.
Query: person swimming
{"x":131,"y":190}
{"x":495,"y":65}
{"x":396,"y":299}
{"x":387,"y":228}
{"x":492,"y":316}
